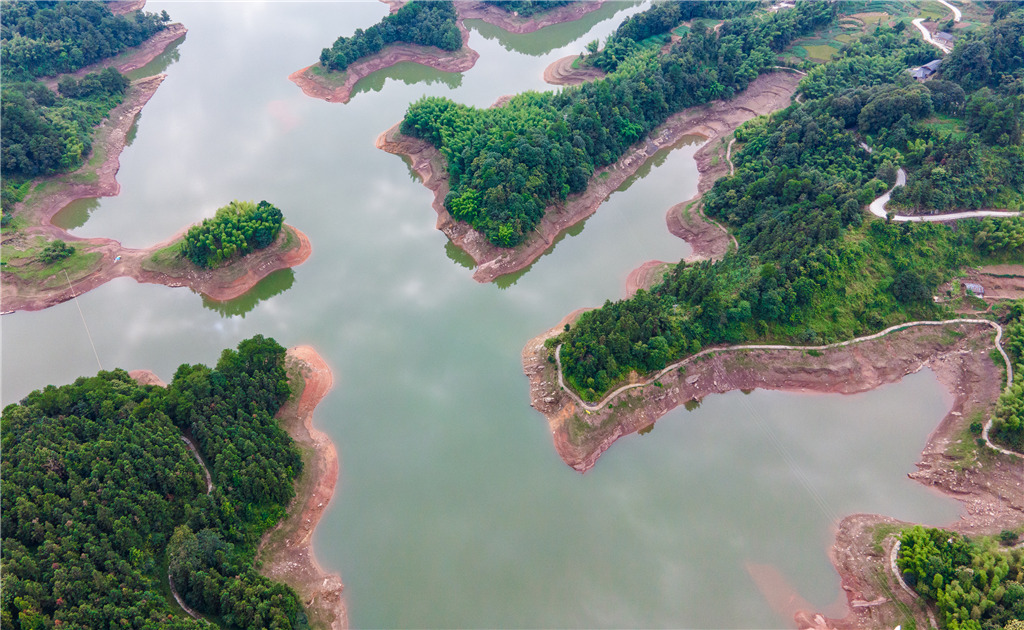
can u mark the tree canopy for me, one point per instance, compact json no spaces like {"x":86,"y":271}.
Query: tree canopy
{"x":39,"y":38}
{"x":237,"y":229}
{"x":507,"y":164}
{"x":99,"y":491}
{"x":423,"y":22}
{"x":809,"y":268}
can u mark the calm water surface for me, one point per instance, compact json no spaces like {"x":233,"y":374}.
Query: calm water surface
{"x":453,"y":509}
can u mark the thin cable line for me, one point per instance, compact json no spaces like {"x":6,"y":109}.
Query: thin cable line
{"x":87,"y":333}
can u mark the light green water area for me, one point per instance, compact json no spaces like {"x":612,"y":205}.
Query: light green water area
{"x":452,"y":508}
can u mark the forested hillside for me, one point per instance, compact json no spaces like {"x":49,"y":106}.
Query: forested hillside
{"x":44,"y":133}
{"x":508,"y":164}
{"x":811,"y":267}
{"x":101,"y":498}
{"x":1008,"y":424}
{"x":424,"y":22}
{"x":48,"y":38}
{"x":657,"y":20}
{"x":975,"y":585}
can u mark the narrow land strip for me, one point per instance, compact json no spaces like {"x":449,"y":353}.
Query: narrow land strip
{"x":286,"y":553}
{"x":765,"y":94}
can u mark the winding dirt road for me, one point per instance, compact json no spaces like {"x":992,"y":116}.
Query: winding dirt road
{"x":592,"y":407}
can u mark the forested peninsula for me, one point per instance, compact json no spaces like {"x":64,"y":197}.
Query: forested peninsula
{"x":857,"y":301}
{"x":64,"y":143}
{"x":427,"y":32}
{"x":108,"y":518}
{"x":510,"y":166}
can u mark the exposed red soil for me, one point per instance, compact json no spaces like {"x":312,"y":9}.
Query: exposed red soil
{"x":519,"y":25}
{"x":38,"y":209}
{"x":767,"y":93}
{"x":561,"y":72}
{"x":123,"y":7}
{"x":328,"y":88}
{"x":990,"y":486}
{"x":286,"y":552}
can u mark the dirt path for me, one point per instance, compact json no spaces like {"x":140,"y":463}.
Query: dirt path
{"x":98,"y":178}
{"x":767,"y":93}
{"x":286,"y":552}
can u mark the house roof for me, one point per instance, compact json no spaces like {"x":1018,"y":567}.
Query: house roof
{"x":944,"y":36}
{"x":933,"y":65}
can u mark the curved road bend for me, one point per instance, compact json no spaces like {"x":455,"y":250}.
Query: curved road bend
{"x":607,"y":399}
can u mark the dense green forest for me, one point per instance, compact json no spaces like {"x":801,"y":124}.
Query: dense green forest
{"x":509,"y":163}
{"x":236,"y":229}
{"x":424,"y":22}
{"x":810,"y":267}
{"x":980,"y":163}
{"x":42,"y":133}
{"x":527,"y":8}
{"x":657,"y":20}
{"x":48,"y":38}
{"x":1008,"y":423}
{"x":101,"y":498}
{"x":974,"y":584}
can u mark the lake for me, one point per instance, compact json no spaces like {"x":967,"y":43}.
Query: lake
{"x":452,"y":508}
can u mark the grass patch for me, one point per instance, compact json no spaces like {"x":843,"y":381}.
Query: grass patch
{"x":880,"y":532}
{"x":166,"y":259}
{"x":25,"y":264}
{"x":933,"y":11}
{"x":821,"y":52}
{"x":946,"y":125}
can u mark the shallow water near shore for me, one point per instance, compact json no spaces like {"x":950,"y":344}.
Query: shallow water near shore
{"x":452,"y":508}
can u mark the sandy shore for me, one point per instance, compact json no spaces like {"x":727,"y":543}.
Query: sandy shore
{"x":98,"y":178}
{"x":766,"y":94}
{"x":286,"y":552}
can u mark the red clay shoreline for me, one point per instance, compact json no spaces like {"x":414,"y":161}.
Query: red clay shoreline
{"x":327,"y":88}
{"x":767,"y":93}
{"x":286,"y":552}
{"x":228,"y":282}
